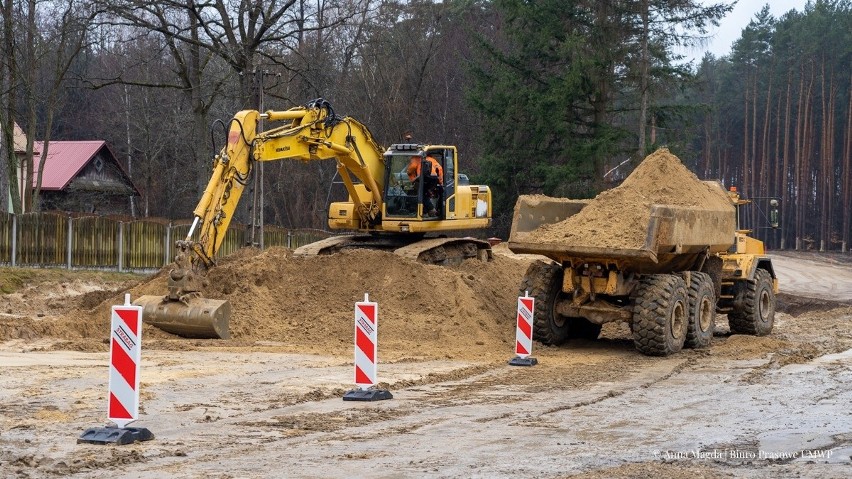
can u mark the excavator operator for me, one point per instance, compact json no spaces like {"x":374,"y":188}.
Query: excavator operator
{"x":432,"y":182}
{"x":415,"y":166}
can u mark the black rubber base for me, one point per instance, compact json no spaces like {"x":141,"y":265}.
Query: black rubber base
{"x":519,"y":361}
{"x":367,"y":395}
{"x":115,"y":435}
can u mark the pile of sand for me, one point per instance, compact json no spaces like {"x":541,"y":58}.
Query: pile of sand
{"x":618,"y":218}
{"x":306,"y":305}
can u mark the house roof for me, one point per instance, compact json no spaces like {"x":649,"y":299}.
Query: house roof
{"x":65,"y":159}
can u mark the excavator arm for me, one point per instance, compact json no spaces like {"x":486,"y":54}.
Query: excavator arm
{"x":231,"y":171}
{"x":312,"y":133}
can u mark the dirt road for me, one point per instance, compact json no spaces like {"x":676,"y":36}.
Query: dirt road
{"x":774,"y":406}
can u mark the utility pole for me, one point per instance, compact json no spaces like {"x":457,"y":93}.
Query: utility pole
{"x":257,"y":219}
{"x":260,"y":170}
{"x":129,"y":148}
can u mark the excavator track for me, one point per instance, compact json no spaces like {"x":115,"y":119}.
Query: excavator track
{"x":442,"y":251}
{"x":446,"y":251}
{"x":329,"y":245}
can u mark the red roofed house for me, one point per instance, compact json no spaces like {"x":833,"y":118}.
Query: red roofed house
{"x":84,"y":176}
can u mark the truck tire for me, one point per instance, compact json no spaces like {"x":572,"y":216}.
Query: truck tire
{"x":756,"y":314}
{"x":544,"y":282}
{"x":660,"y":315}
{"x":702,"y":310}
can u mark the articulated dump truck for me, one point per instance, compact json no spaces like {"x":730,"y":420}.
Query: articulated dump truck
{"x":662,"y":251}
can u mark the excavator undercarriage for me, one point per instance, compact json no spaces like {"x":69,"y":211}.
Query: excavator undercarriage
{"x":441,"y":251}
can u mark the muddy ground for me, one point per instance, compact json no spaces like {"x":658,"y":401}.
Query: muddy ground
{"x":268,"y":403}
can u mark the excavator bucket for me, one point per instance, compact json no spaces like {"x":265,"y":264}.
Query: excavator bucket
{"x":193,"y":317}
{"x":184,"y":311}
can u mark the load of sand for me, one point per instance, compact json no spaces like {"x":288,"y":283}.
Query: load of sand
{"x":618,"y":218}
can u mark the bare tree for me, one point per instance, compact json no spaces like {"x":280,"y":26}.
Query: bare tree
{"x":669,"y":23}
{"x":63,"y":36}
{"x":244,"y":37}
{"x":8,"y":85}
{"x":51,"y":35}
{"x":244,"y":34}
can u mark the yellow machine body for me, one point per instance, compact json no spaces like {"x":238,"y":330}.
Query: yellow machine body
{"x":372,"y":178}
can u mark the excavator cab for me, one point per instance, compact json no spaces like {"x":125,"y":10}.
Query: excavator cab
{"x":412,"y":188}
{"x":401,"y":197}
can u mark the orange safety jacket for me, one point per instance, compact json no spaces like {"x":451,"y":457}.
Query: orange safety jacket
{"x":414,"y":168}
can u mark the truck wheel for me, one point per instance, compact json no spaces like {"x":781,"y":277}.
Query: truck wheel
{"x":660,"y":315}
{"x":702,"y":310}
{"x":756,"y":315}
{"x":544,"y":282}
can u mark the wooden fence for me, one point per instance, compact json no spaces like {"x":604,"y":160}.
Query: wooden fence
{"x":51,"y":239}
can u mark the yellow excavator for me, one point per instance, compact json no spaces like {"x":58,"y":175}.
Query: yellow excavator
{"x":385,"y":209}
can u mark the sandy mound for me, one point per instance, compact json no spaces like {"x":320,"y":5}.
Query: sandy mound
{"x":618,"y":218}
{"x":306,"y":304}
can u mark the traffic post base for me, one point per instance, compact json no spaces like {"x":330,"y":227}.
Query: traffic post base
{"x":115,"y":435}
{"x":519,"y":361}
{"x":367,"y":395}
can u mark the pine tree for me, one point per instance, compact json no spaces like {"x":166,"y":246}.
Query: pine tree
{"x":544,"y":91}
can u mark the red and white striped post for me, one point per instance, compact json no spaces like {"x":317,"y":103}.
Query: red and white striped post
{"x":125,"y":357}
{"x":366,"y":353}
{"x":524,"y":332}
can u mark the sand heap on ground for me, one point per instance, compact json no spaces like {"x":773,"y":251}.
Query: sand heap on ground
{"x":306,"y":305}
{"x":618,"y":218}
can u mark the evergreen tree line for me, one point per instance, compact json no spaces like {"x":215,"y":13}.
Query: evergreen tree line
{"x":560,"y":97}
{"x":781,"y":122}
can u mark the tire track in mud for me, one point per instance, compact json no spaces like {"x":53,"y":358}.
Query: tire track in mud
{"x":677,"y":369}
{"x":302,"y":423}
{"x":471,"y":386}
{"x":837,"y":441}
{"x":813,"y":333}
{"x":440,"y":400}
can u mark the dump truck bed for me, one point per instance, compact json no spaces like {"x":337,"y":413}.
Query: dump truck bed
{"x":675,"y":236}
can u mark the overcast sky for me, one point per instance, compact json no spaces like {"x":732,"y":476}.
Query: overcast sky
{"x":731,"y":26}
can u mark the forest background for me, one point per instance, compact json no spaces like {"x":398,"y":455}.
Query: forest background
{"x":559,"y":97}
